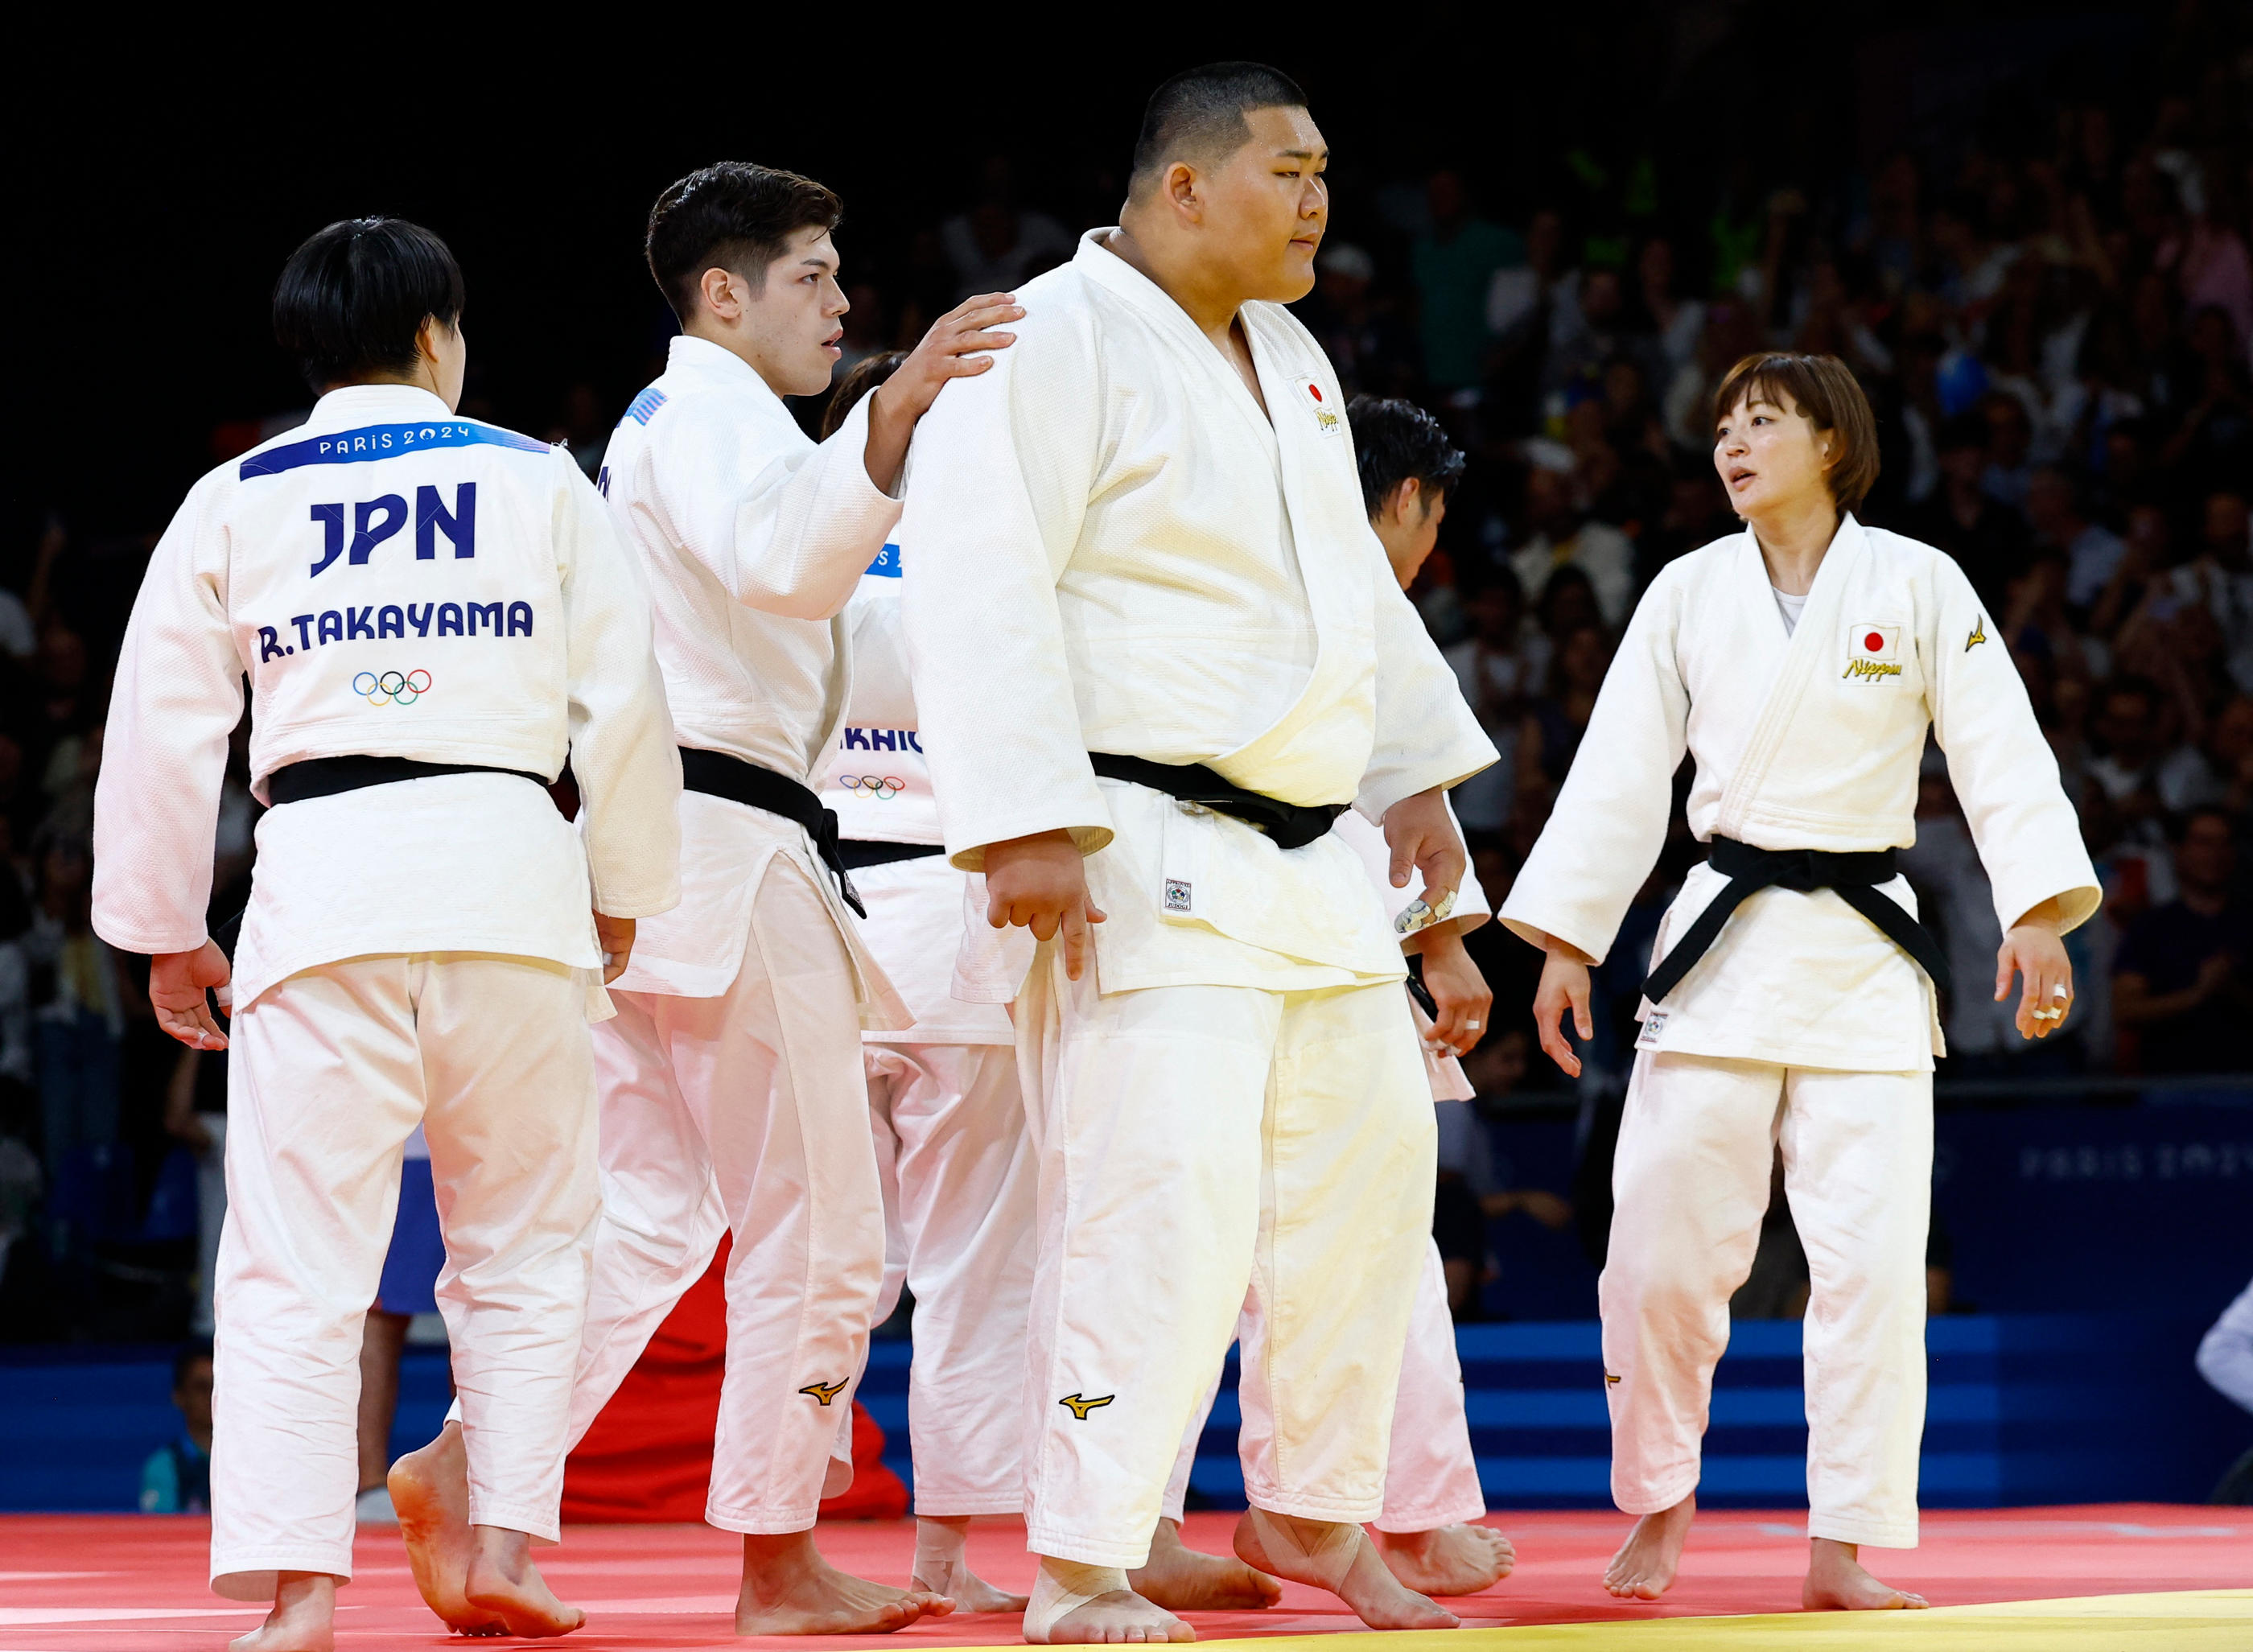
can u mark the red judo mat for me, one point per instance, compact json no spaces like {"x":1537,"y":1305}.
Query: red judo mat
{"x":90,"y":1583}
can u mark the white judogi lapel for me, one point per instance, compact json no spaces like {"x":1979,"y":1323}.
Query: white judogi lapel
{"x":1113,"y":549}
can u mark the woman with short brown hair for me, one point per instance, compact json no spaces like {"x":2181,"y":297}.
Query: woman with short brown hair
{"x":1791,"y":1002}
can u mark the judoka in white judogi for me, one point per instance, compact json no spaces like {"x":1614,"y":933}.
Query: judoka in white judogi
{"x":735,"y":1060}
{"x":1803,"y":1025}
{"x":396,"y":581}
{"x":1430,"y":1476}
{"x":1114,"y":549}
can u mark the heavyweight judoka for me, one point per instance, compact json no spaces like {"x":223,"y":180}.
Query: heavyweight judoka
{"x":1143,"y":603}
{"x":732,"y":1099}
{"x":428,"y":609}
{"x":1791,"y":1002}
{"x":1428,"y":1531}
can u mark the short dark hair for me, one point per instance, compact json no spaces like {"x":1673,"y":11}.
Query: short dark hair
{"x":352,"y":301}
{"x":1198,"y":116}
{"x":1824,"y":389}
{"x":862,"y":378}
{"x":1394,"y":440}
{"x":731,"y":215}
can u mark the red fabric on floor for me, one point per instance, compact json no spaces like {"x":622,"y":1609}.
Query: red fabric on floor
{"x":648,"y":1455}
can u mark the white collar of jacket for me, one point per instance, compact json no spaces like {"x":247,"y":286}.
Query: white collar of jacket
{"x":354,"y":404}
{"x":716,"y":362}
{"x":1107,"y":270}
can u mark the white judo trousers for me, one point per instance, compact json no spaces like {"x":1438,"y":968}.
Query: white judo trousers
{"x":1696,"y":1145}
{"x":1430,"y":1477}
{"x":959,"y":1179}
{"x":1194,"y":1141}
{"x":742,"y":1113}
{"x":331,"y":1069}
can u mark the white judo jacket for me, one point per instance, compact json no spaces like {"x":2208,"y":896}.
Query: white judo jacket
{"x":393,"y":580}
{"x":1806,"y":741}
{"x":752,"y":538}
{"x":1114,"y":549}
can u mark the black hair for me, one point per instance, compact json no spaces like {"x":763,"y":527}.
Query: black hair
{"x":1198,"y":116}
{"x":864,"y":376}
{"x":1394,"y":440}
{"x":352,"y":301}
{"x":191,"y":1354}
{"x":731,"y":215}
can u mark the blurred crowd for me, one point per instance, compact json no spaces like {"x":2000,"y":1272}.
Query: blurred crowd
{"x":2056,"y":331}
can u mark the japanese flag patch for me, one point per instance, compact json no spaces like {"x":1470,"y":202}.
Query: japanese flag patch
{"x":1329,"y":418}
{"x":1874,"y":653}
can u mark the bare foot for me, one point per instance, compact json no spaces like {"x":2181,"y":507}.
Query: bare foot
{"x":504,"y":1581}
{"x":1836,"y":1582}
{"x":304,"y":1619}
{"x":1340,"y":1558}
{"x":1448,"y":1559}
{"x":1105,"y":1617}
{"x":1187,"y":1580}
{"x":1644,"y":1567}
{"x":430,"y":1489}
{"x":790,"y":1589}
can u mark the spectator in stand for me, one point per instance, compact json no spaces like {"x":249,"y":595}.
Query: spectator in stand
{"x":177,"y":1478}
{"x":1453,"y":261}
{"x":998,"y":244}
{"x":1673,"y":323}
{"x":1578,"y":353}
{"x":1697,"y":514}
{"x":2139,"y":758}
{"x":1555,"y":722}
{"x":1499,"y":666}
{"x":2214,"y":444}
{"x":2219,"y":578}
{"x":1563,"y":536}
{"x":2229,"y":759}
{"x":1363,"y":338}
{"x":2092,"y":551}
{"x":1986,"y":537}
{"x":82,"y":1025}
{"x":2183,"y":980}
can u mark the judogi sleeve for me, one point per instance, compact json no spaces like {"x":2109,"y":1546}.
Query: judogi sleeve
{"x":623,"y":754}
{"x":1610,"y":819}
{"x":1426,"y":735}
{"x":2003,"y":769}
{"x":1004,"y":465}
{"x":792,"y":538}
{"x":178,"y":696}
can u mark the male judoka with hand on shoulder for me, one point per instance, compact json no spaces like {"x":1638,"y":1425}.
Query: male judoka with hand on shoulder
{"x":731,"y":1078}
{"x":1791,"y":1002}
{"x":1155,"y":653}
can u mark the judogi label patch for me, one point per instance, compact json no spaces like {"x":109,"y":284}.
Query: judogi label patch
{"x":1653,"y":1030}
{"x":1177,"y":895}
{"x":1873,"y":652}
{"x":1328,"y":420}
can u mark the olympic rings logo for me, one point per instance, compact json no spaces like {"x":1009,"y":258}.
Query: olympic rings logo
{"x":870,"y":785}
{"x":392,"y":686}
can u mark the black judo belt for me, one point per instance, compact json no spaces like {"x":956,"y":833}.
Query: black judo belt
{"x":326,"y":776}
{"x":859,"y":852}
{"x":717,"y":775}
{"x":1854,"y":878}
{"x":1293,"y":826}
